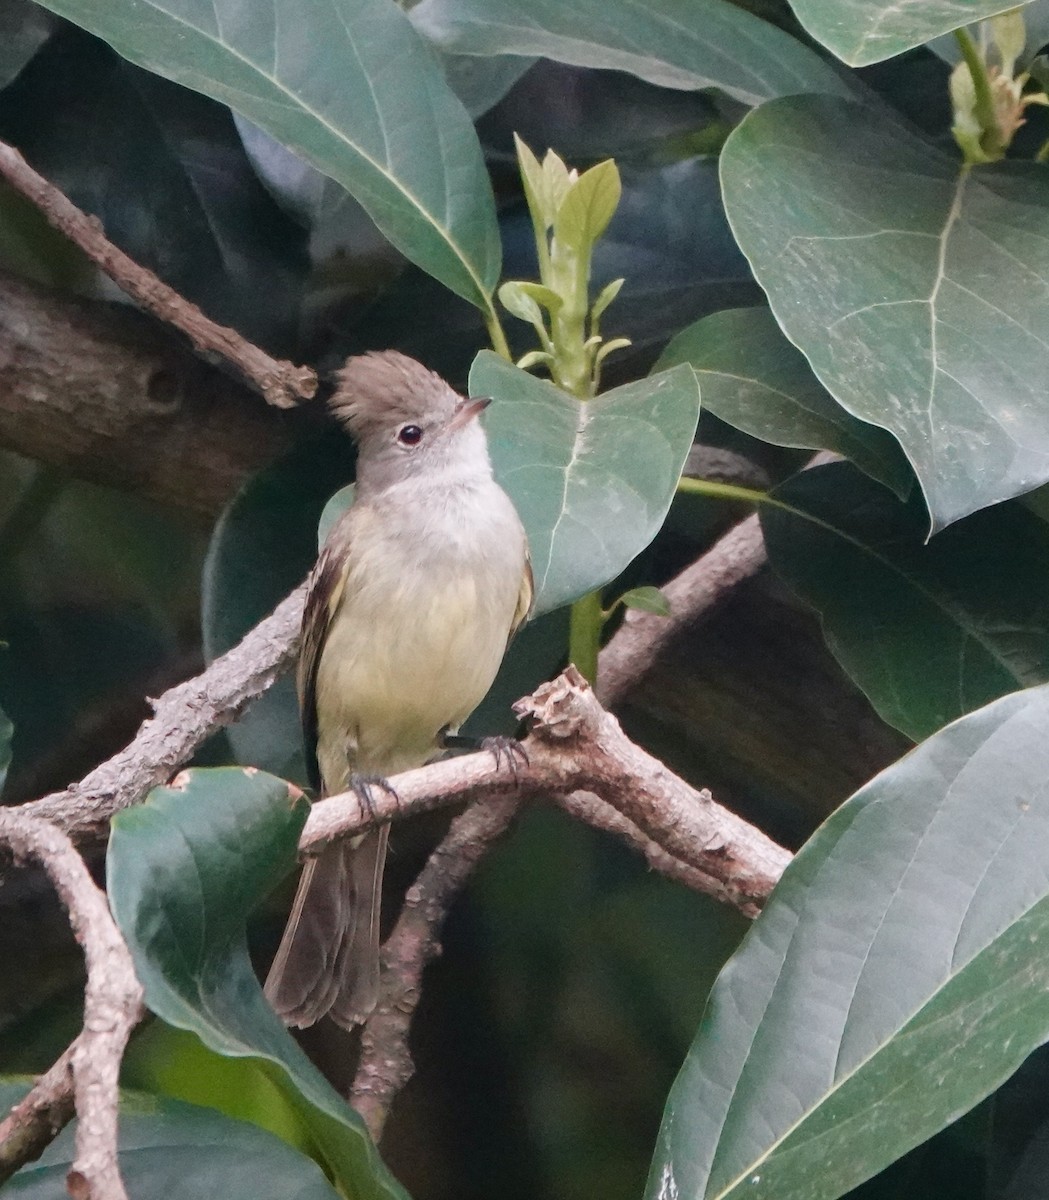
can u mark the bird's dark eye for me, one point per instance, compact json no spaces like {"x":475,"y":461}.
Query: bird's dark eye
{"x":410,"y":435}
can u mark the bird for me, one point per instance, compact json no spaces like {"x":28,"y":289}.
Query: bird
{"x":415,"y":596}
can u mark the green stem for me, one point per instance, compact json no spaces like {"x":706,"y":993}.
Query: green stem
{"x":1043,"y":153}
{"x":991,"y":141}
{"x":720,"y":491}
{"x":584,"y":635}
{"x":496,"y":335}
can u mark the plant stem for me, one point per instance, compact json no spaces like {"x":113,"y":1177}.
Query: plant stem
{"x":584,"y":635}
{"x":990,"y":141}
{"x":720,"y":491}
{"x":495,"y":332}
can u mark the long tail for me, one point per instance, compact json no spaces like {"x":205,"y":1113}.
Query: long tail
{"x":328,"y":959}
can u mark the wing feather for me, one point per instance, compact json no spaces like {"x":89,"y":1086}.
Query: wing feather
{"x":322,"y":601}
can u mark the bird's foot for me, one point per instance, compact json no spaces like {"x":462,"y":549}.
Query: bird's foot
{"x":506,"y":751}
{"x":364,"y":786}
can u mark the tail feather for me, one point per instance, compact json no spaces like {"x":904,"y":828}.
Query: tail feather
{"x":328,"y":959}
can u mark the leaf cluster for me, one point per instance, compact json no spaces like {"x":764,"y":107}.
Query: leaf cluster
{"x":828,"y":224}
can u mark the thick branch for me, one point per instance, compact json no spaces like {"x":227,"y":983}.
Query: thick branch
{"x":386,"y":1063}
{"x":576,"y":746}
{"x":112,"y":1008}
{"x":185,"y":716}
{"x":101,"y":391}
{"x":282,"y":383}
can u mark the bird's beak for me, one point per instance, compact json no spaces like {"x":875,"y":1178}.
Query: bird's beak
{"x":466,"y":410}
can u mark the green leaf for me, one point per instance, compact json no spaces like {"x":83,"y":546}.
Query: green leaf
{"x":183,"y":872}
{"x":6,"y":732}
{"x":916,"y":289}
{"x":588,"y":206}
{"x":263,"y":546}
{"x":929,"y":631}
{"x":865,"y":33}
{"x":534,"y":176}
{"x":181,"y":1152}
{"x":516,"y":301}
{"x":349,"y":86}
{"x":648,"y":599}
{"x":896,"y":977}
{"x":339,"y":503}
{"x":23,"y":30}
{"x":591,"y":479}
{"x":175,"y":190}
{"x":685,"y":44}
{"x":755,"y":380}
{"x":604,"y":298}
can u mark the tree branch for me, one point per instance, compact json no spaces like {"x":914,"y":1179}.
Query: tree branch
{"x":90,"y":1068}
{"x":693,"y":595}
{"x":185,"y":716}
{"x":100,"y":390}
{"x":283,"y":384}
{"x":576,"y":746}
{"x":386,"y":1063}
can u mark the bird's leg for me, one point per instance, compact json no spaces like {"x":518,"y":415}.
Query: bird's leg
{"x":505,"y":750}
{"x":363,"y":787}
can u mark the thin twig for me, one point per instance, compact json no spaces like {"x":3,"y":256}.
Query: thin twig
{"x":185,"y":716}
{"x":693,"y":596}
{"x":38,"y":1118}
{"x":386,"y":1063}
{"x":112,"y":1008}
{"x":283,"y":384}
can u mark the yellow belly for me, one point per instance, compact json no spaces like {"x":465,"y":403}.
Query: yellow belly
{"x":401,"y":663}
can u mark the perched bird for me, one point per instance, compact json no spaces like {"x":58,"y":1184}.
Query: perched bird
{"x":415,"y":595}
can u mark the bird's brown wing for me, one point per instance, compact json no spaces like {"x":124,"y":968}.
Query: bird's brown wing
{"x":322,"y":601}
{"x":525,"y":597}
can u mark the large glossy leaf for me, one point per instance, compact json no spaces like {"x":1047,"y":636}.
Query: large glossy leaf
{"x":754,"y":379}
{"x":918,"y":290}
{"x":175,"y":1151}
{"x":929,"y":631}
{"x":673,"y":43}
{"x":183,"y":872}
{"x":591,"y":479}
{"x":866,"y":31}
{"x":350,"y":86}
{"x":897,"y":976}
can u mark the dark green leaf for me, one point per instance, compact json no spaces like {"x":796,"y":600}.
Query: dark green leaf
{"x":349,"y":86}
{"x":929,"y":631}
{"x":754,"y":379}
{"x":877,"y":29}
{"x":672,"y":43}
{"x":915,"y":289}
{"x":648,"y":599}
{"x":264,"y":545}
{"x":24,"y":28}
{"x":591,"y":479}
{"x":896,"y":977}
{"x":181,"y":1152}
{"x":184,"y":870}
{"x":175,"y":189}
